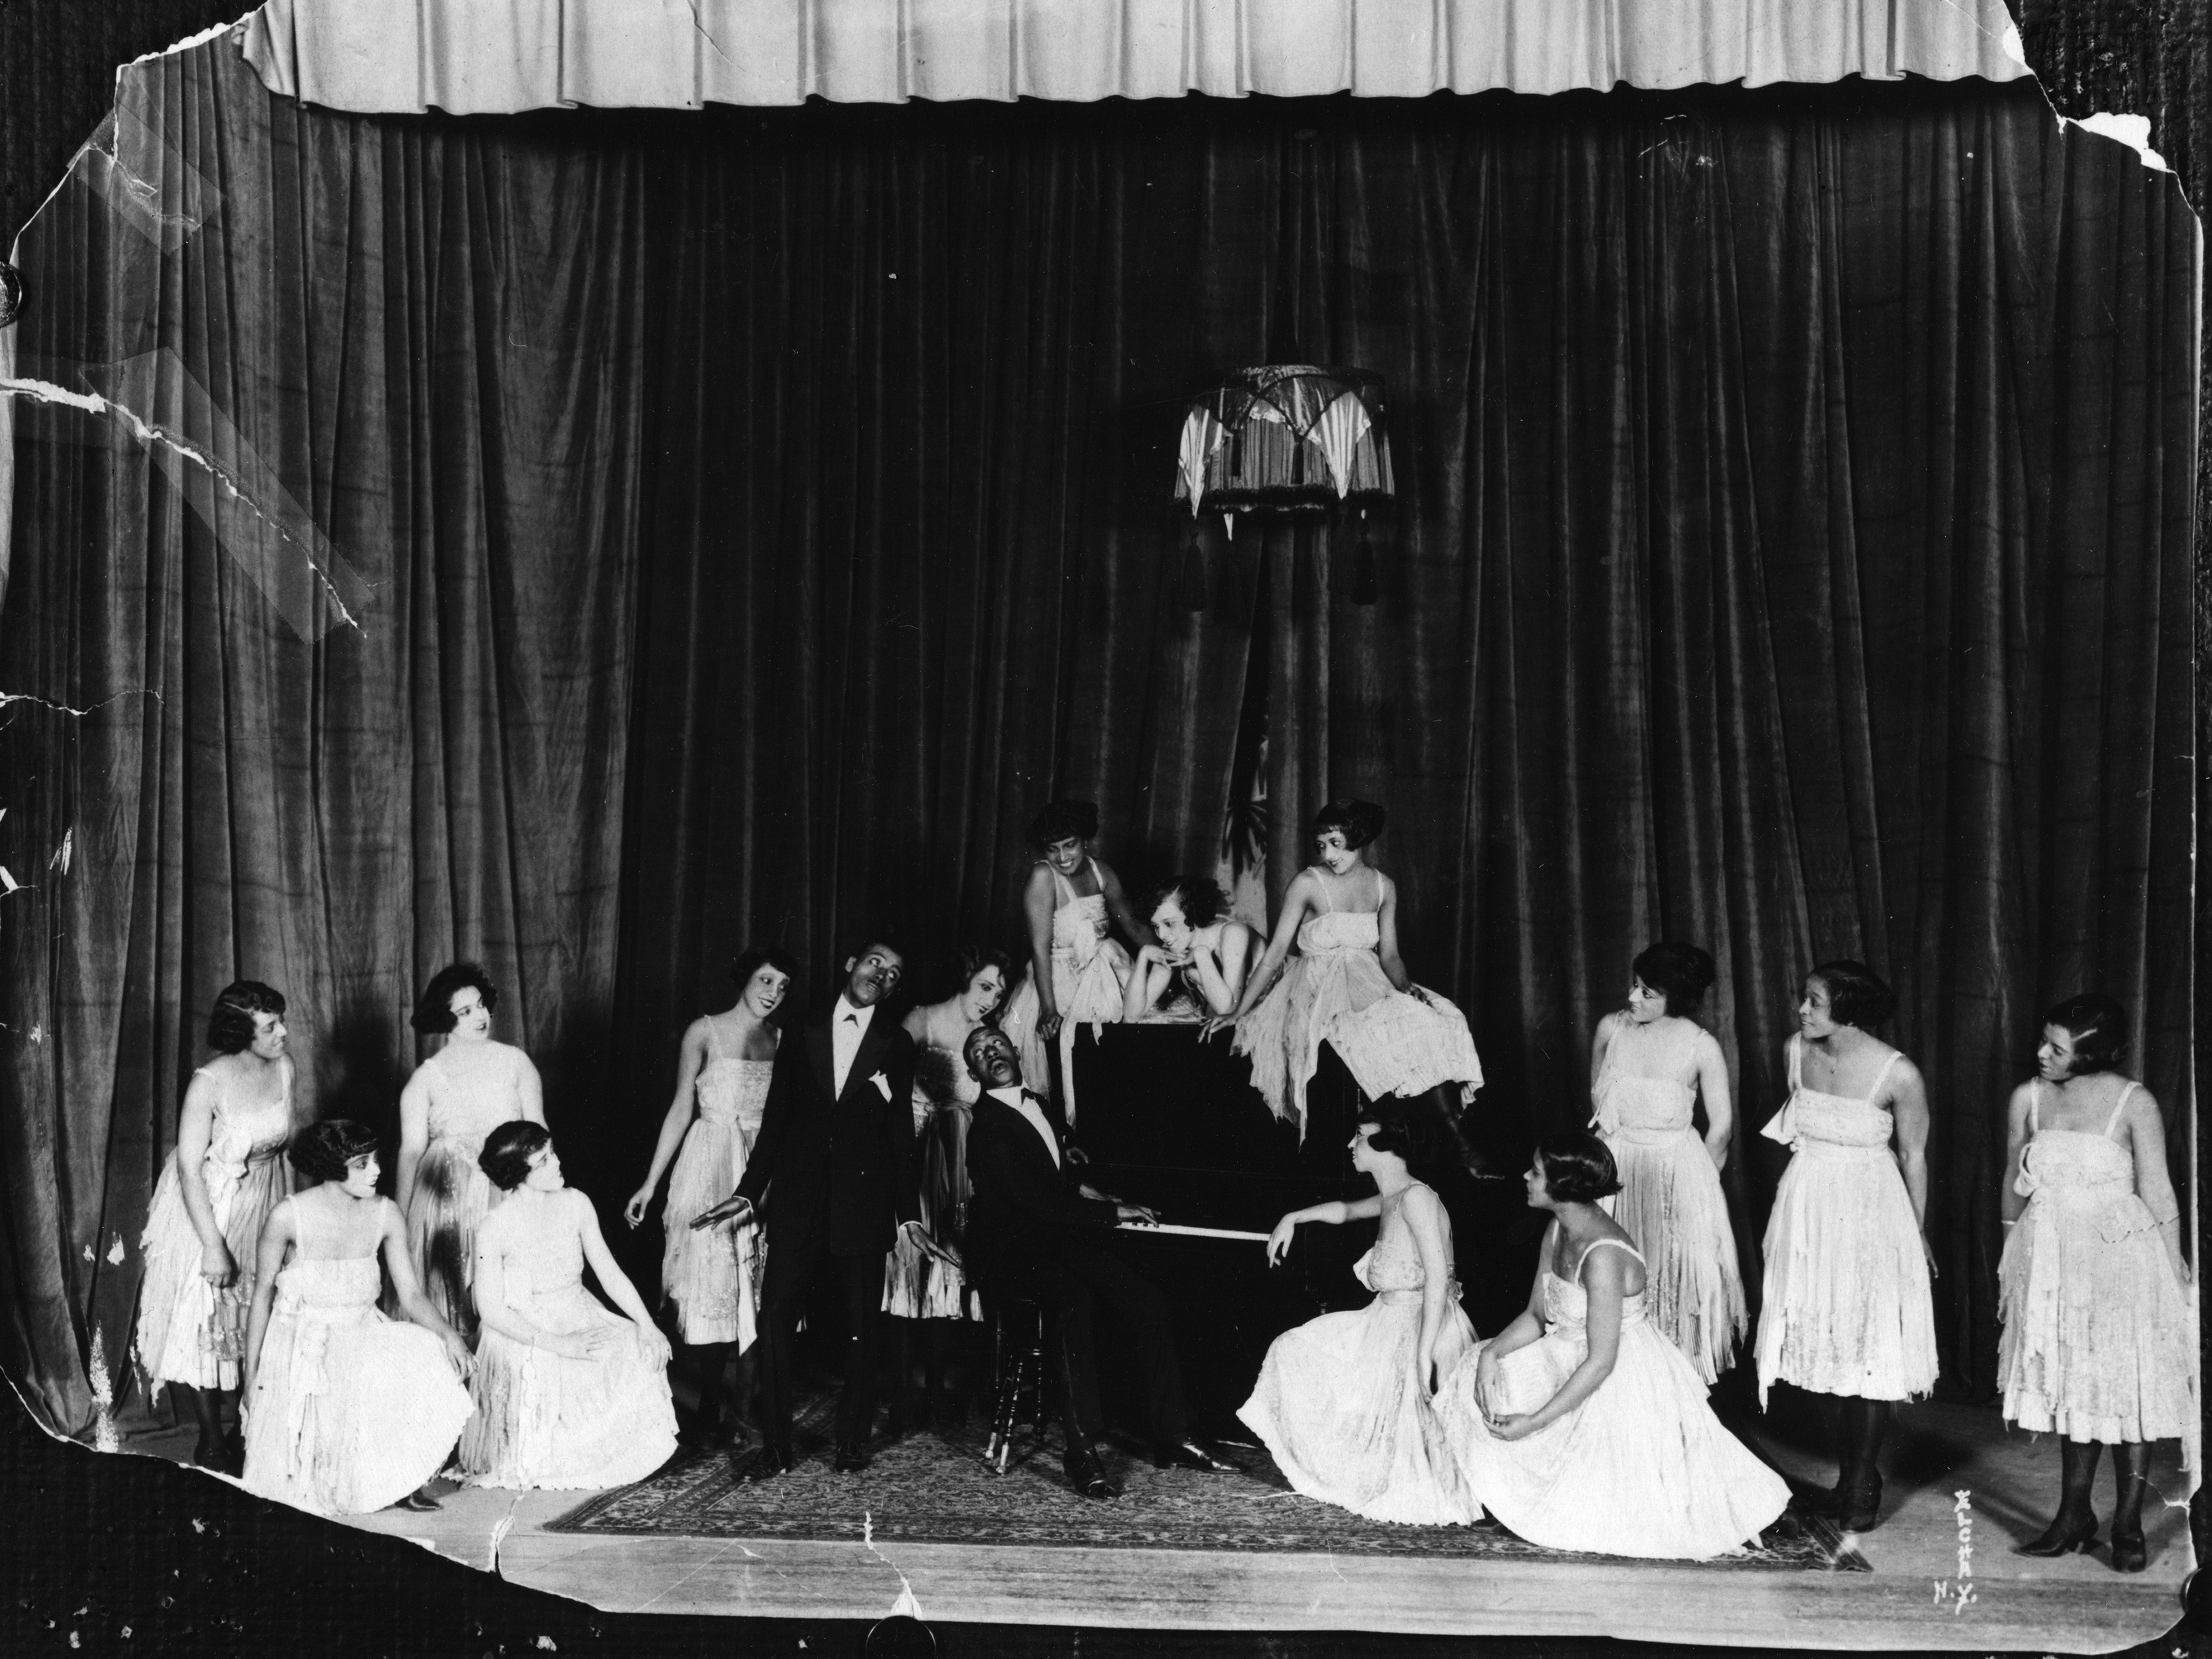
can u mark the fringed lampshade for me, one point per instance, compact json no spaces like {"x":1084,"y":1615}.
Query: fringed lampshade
{"x":1288,"y":438}
{"x":1285,"y":439}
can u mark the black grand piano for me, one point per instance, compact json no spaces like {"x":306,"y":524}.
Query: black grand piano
{"x":1173,"y":1123}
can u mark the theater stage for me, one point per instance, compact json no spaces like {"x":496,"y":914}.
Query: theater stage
{"x":2076,"y":1604}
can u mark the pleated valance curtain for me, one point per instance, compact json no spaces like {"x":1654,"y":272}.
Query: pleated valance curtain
{"x":489,"y":57}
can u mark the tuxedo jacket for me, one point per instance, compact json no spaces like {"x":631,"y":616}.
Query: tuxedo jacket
{"x":850,"y":1156}
{"x":1021,"y":1208}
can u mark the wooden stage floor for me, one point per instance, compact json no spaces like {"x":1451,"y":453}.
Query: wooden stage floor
{"x":2074,"y":1604}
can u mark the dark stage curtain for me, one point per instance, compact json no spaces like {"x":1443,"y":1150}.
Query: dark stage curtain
{"x":745,"y":519}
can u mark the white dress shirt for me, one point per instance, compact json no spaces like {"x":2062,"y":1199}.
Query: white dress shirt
{"x":847,"y":1025}
{"x":1012,"y":1095}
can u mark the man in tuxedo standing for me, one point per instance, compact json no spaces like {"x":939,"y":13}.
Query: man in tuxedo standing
{"x":833,"y":1173}
{"x":1032,"y":1232}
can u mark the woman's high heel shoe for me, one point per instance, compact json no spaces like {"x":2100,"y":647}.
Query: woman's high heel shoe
{"x":2064,"y":1536}
{"x":2128,"y":1552}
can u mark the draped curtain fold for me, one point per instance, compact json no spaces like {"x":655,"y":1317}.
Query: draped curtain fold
{"x":716,"y":528}
{"x":498,"y":57}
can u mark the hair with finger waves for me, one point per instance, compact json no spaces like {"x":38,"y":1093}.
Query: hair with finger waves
{"x":1418,"y":1131}
{"x":433,"y":1009}
{"x":323,"y":1150}
{"x":1680,"y":973}
{"x":1063,"y":820}
{"x":230,"y":1022}
{"x":2099,"y":1026}
{"x":1198,"y":898}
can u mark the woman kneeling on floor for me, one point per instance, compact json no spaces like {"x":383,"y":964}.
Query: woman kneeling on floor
{"x":346,"y":1411}
{"x":568,"y":1394}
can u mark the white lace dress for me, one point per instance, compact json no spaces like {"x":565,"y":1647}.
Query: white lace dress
{"x":1090,"y":972}
{"x":1670,"y":1200}
{"x":543,"y":1419}
{"x":714,"y":1276}
{"x":451,"y":1193}
{"x":2099,"y":1338}
{"x":1642,"y":1468}
{"x":350,"y":1411}
{"x":188,"y":1331}
{"x":1338,"y":1404}
{"x":1846,"y":1308}
{"x":1333,"y":990}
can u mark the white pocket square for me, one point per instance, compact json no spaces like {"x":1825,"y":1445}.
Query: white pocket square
{"x":883,"y":1085}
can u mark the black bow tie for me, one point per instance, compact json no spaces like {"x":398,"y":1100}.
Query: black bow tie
{"x":852,"y":1019}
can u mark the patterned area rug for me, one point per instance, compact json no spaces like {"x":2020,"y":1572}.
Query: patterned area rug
{"x":933,"y":1486}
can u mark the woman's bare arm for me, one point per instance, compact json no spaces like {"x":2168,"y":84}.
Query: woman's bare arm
{"x":690,"y":1058}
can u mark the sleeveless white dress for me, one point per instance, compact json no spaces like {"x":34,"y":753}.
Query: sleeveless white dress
{"x":541,"y":1419}
{"x":2099,"y":1339}
{"x":188,"y":1331}
{"x":1846,"y":1309}
{"x":916,"y":1286}
{"x":1670,"y":1200}
{"x":452,"y":1193}
{"x":1090,"y":972}
{"x":1333,"y":990}
{"x":1642,"y":1468}
{"x":1339,"y":1406}
{"x":350,"y":1411}
{"x":714,"y":1276}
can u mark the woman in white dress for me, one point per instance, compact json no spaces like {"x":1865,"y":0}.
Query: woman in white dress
{"x":1343,"y":1402}
{"x":712,"y":1275}
{"x":568,"y":1394}
{"x":1649,"y":1064}
{"x":471,"y":1086}
{"x":1348,"y":986}
{"x":1579,"y":1426}
{"x":1202,"y":955}
{"x":1847,"y":1308}
{"x":204,"y":1231}
{"x":2100,"y":1343}
{"x":346,"y":1411}
{"x":923,"y":1278}
{"x":1077,"y":971}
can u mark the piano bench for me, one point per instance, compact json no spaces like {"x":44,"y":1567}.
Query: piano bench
{"x":1018,"y":1365}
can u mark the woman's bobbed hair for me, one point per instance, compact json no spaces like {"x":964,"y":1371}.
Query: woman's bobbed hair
{"x":1426,"y":1137}
{"x":1578,"y":1167}
{"x":1680,"y":973}
{"x":1198,"y":898}
{"x":1063,"y":820}
{"x":322,"y":1151}
{"x":2099,"y":1026}
{"x":1361,"y":821}
{"x":963,"y":962}
{"x":433,"y":1009}
{"x":1857,"y":994}
{"x":507,"y":1151}
{"x":755,"y":958}
{"x":230,"y":1022}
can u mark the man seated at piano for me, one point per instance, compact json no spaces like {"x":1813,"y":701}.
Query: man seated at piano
{"x":1201,"y":958}
{"x":1036,"y":1230}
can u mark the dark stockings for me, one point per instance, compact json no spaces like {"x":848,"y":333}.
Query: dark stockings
{"x":213,"y":1451}
{"x":1863,"y":1424}
{"x":725,"y":1414}
{"x":2131,"y":1476}
{"x":2074,"y":1527}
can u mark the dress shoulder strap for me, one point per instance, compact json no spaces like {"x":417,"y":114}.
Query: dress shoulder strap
{"x":1617,"y":1243}
{"x":1092,"y":864}
{"x":1882,"y":1076}
{"x":2034,"y":1107}
{"x":2126,"y":1095}
{"x":1320,"y":880}
{"x":1060,"y":883}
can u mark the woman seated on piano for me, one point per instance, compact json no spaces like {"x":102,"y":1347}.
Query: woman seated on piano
{"x":1203,"y":956}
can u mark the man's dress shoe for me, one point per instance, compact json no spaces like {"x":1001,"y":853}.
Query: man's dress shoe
{"x":1087,"y":1475}
{"x":1189,"y":1454}
{"x":763,"y":1462}
{"x":853,"y":1457}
